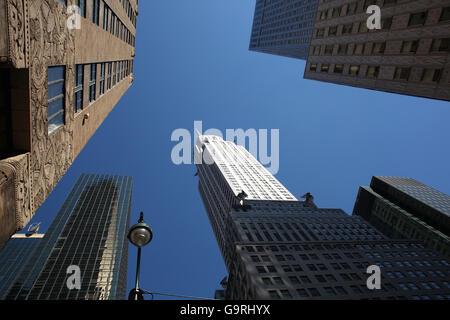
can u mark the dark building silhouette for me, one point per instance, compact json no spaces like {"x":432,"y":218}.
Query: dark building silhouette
{"x":89,"y":232}
{"x":403,"y":208}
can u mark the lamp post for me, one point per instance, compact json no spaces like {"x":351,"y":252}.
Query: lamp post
{"x":140,"y":235}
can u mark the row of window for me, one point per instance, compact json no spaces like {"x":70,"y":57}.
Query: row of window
{"x":115,"y":26}
{"x":111,"y":22}
{"x":428,"y":75}
{"x":439,"y":45}
{"x":110,"y":74}
{"x":350,"y":9}
{"x":416,"y":19}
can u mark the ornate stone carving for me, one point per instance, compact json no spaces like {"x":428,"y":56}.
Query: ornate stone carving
{"x":51,"y":44}
{"x":17,"y":11}
{"x":20,"y":167}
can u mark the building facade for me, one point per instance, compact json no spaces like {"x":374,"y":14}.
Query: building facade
{"x":288,"y":249}
{"x":13,"y":257}
{"x":408,"y":55}
{"x":405,"y":208}
{"x":89,"y":232}
{"x":283,"y":27}
{"x":59,"y":81}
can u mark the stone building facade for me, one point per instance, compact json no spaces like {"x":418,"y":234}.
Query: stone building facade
{"x":58,"y":85}
{"x":408,"y":55}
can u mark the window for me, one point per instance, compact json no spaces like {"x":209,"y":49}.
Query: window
{"x":278,"y":280}
{"x":261,"y":269}
{"x":82,"y":5}
{"x":324,"y":68}
{"x":108,"y":81}
{"x":316,"y":50}
{"x":363,"y":27}
{"x":347,"y":28}
{"x":445,"y":15}
{"x":431,"y":75}
{"x":313,"y":67}
{"x":373,"y":71}
{"x":402,"y":74}
{"x":320,"y":33}
{"x":330,"y":291}
{"x":102,"y":79}
{"x":440,"y":45}
{"x":359,"y":48}
{"x":386,"y":23}
{"x":329,"y":49}
{"x":286,"y":294}
{"x":342,"y":48}
{"x":332,"y":31}
{"x":55,"y":97}
{"x":267,"y":281}
{"x":352,"y":8}
{"x":314,"y":292}
{"x":339,"y":68}
{"x":378,"y":47}
{"x":95,"y":12}
{"x":114,"y":74}
{"x":336,"y":12}
{"x":105,"y":16}
{"x":417,"y":19}
{"x":78,"y":90}
{"x":274,"y":294}
{"x":389,"y":2}
{"x":410,"y":46}
{"x":354,"y":70}
{"x":302,"y":293}
{"x":92,"y":82}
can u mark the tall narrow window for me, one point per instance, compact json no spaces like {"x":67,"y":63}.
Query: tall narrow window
{"x":118,"y":72}
{"x":114,"y":74}
{"x":108,"y":82}
{"x":113,"y":20}
{"x":105,"y":16}
{"x":95,"y":12}
{"x":78,"y":90}
{"x":55,"y":97}
{"x":82,"y":5}
{"x":102,"y":79}
{"x":92,"y":82}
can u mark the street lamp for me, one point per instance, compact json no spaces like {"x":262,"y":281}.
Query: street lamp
{"x":140,"y":235}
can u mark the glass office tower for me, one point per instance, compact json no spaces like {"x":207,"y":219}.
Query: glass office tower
{"x":89,"y":232}
{"x":14,"y":256}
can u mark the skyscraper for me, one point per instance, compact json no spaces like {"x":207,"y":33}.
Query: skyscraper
{"x":13,"y":256}
{"x":59,"y":79}
{"x":405,"y":208}
{"x":277,"y":247}
{"x":283,"y":27}
{"x":408,"y":55}
{"x":88,"y":232}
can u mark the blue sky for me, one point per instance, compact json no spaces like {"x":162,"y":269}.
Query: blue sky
{"x":193,"y":63}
